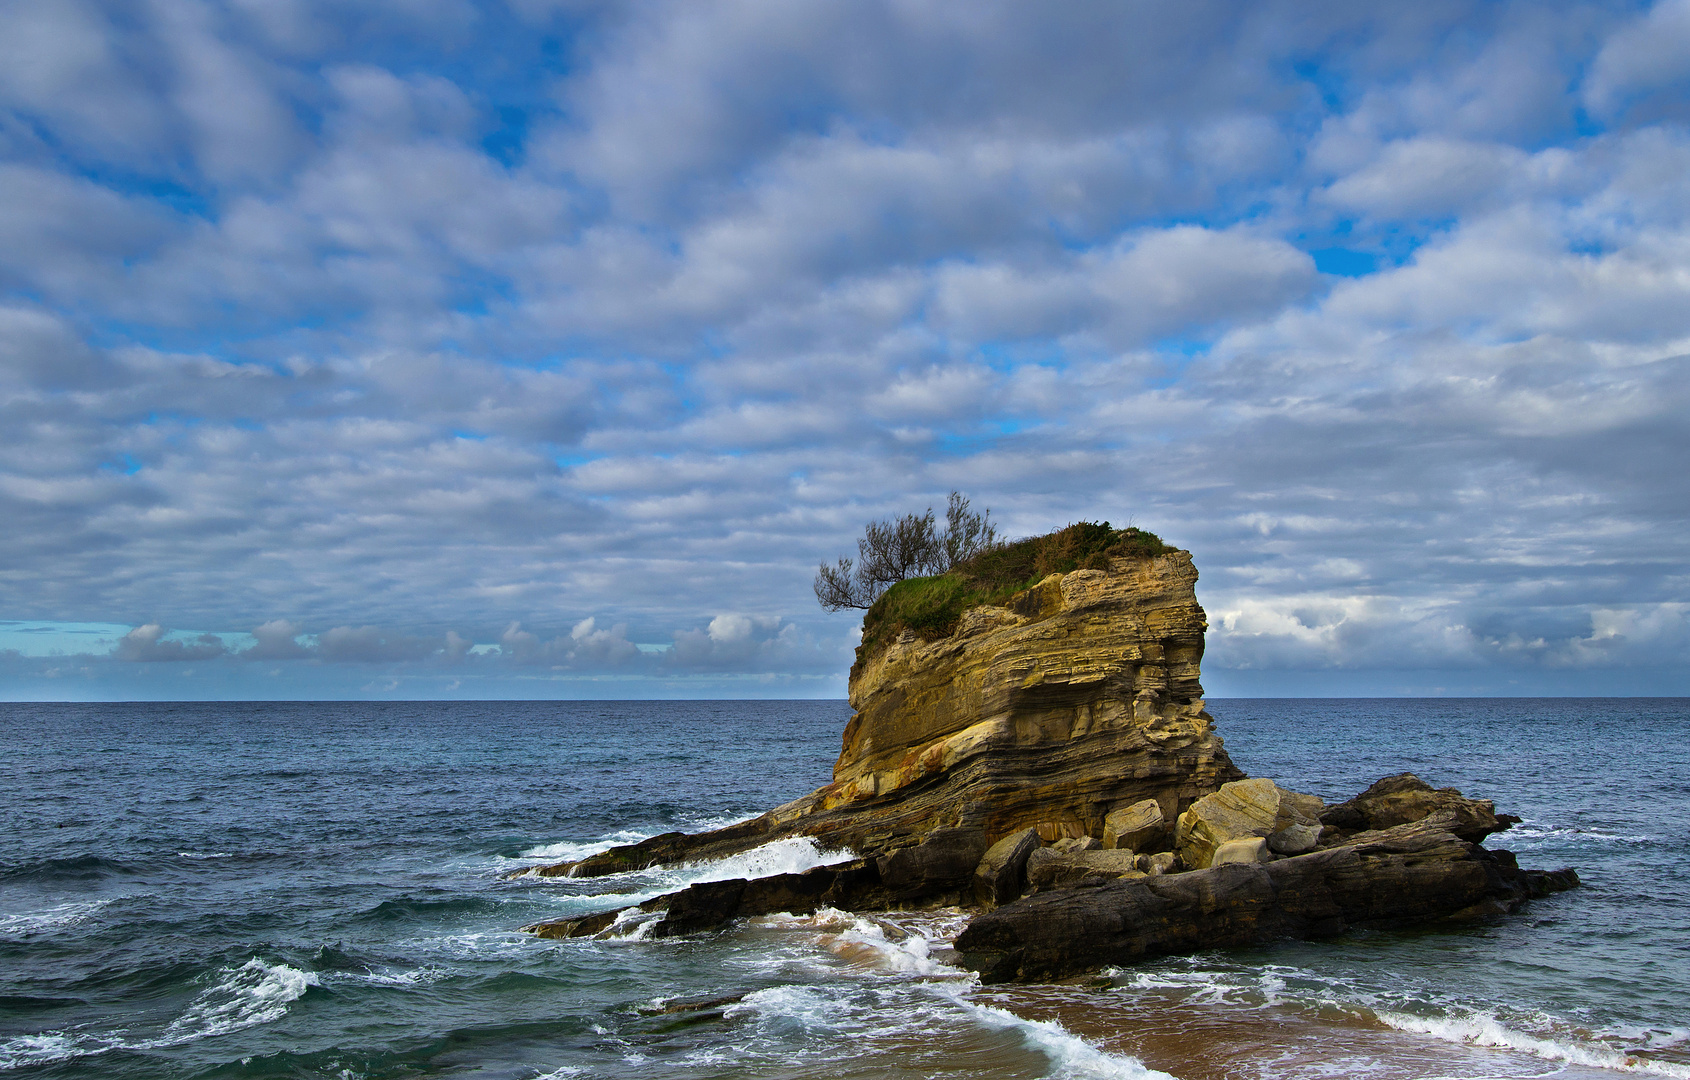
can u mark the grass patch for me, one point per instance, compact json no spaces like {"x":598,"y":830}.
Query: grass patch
{"x":932,"y":606}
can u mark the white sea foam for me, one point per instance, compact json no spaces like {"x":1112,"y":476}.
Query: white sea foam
{"x":1539,"y":1035}
{"x":1253,"y":988}
{"x":903,"y":1010}
{"x":48,"y":1046}
{"x":714,"y":822}
{"x":1070,"y":1055}
{"x":1484,"y":1029}
{"x":1535,"y":831}
{"x":792,"y":855}
{"x":204,"y":855}
{"x":632,"y":924}
{"x":1649,"y":1038}
{"x":474,"y":945}
{"x":414,"y":977}
{"x":253,"y":993}
{"x":868,"y":943}
{"x":813,"y":1008}
{"x":50,"y":919}
{"x":573,"y":850}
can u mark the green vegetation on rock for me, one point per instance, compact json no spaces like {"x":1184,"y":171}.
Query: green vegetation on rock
{"x":932,"y":606}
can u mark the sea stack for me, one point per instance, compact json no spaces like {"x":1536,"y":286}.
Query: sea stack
{"x":1042,"y":754}
{"x":1074,"y":699}
{"x":1069,"y":701}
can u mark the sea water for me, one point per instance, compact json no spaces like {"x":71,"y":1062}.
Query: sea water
{"x":320,"y":890}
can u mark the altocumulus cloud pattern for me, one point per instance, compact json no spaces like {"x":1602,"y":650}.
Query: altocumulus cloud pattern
{"x":431,"y":348}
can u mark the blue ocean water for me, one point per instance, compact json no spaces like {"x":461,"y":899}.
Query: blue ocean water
{"x":319,"y":890}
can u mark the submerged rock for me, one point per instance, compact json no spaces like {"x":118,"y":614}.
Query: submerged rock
{"x":584,"y":926}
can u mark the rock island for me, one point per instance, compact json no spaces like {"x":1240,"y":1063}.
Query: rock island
{"x":1042,"y":754}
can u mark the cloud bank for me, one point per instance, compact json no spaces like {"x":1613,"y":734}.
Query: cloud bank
{"x":547,"y":348}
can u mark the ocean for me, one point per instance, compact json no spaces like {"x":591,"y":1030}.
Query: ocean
{"x":320,"y":890}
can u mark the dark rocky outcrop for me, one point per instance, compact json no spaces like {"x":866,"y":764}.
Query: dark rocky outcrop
{"x":1400,"y":799}
{"x":583,"y":926}
{"x":938,"y":870}
{"x":1001,"y":875}
{"x":1411,"y":872}
{"x":944,"y":862}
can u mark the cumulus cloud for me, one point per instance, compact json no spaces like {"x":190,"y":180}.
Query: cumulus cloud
{"x":149,"y":644}
{"x":586,"y":647}
{"x":277,"y":639}
{"x":738,"y":642}
{"x":1646,"y":59}
{"x":1158,"y":283}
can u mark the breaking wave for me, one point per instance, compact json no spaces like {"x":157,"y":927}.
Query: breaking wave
{"x":1485,"y":1029}
{"x":51,"y":919}
{"x":1070,"y":1055}
{"x":253,"y":993}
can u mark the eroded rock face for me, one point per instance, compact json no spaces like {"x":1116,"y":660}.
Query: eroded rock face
{"x":1077,"y":698}
{"x":1049,"y":868}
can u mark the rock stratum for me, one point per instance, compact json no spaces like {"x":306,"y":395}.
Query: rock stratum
{"x":1049,"y":761}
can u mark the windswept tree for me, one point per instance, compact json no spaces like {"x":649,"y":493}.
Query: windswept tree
{"x":906,"y":547}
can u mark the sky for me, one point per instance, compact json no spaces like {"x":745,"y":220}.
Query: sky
{"x":543,"y":348}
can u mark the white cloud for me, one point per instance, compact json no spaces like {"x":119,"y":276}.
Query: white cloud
{"x":149,"y":643}
{"x":1650,"y":54}
{"x":276,"y":640}
{"x":1429,"y":177}
{"x":618,"y":351}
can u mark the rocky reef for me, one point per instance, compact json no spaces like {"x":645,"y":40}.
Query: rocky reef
{"x":1428,"y":868}
{"x":1048,"y":761}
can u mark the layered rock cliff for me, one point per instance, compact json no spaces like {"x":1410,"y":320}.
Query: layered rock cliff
{"x":1071,"y":700}
{"x":1075,"y":698}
